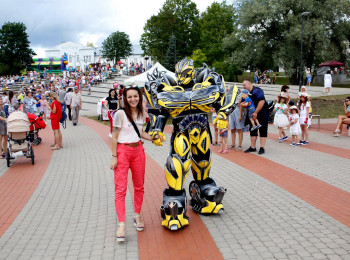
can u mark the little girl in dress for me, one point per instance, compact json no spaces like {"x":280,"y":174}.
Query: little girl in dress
{"x":43,"y":106}
{"x":295,"y":129}
{"x":281,"y":119}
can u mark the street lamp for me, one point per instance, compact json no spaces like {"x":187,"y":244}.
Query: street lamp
{"x":301,"y":50}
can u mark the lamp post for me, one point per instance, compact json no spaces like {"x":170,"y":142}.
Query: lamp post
{"x":301,"y":50}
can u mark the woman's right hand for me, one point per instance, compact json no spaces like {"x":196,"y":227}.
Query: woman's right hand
{"x":114,"y":163}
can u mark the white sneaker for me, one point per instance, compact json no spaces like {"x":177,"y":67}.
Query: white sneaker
{"x":110,"y":135}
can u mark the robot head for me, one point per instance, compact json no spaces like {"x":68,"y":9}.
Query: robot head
{"x":184,"y":71}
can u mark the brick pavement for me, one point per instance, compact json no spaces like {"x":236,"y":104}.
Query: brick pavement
{"x":71,"y":213}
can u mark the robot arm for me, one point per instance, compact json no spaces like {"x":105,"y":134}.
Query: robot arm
{"x":226,"y":106}
{"x":156,"y":127}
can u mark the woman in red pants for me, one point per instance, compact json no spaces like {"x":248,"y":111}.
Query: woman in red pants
{"x":127,"y":147}
{"x":111,"y":105}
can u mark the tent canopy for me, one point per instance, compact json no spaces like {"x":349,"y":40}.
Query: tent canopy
{"x":332,"y":63}
{"x":142,"y":78}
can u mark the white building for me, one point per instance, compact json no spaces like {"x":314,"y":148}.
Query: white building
{"x":80,"y":56}
{"x":137,"y":57}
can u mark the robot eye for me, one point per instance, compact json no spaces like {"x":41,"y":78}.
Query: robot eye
{"x":184,"y":73}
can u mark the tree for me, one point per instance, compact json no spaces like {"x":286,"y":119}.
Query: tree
{"x":171,"y":55}
{"x":117,"y":46}
{"x":176,"y":17}
{"x":273,"y":28}
{"x":216,"y":23}
{"x":15,"y":53}
{"x":198,"y":58}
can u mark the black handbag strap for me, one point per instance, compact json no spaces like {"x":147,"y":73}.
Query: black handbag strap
{"x":134,"y":125}
{"x":136,"y":129}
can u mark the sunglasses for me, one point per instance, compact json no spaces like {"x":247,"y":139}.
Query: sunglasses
{"x":346,"y":100}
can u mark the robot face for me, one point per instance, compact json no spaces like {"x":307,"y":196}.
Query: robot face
{"x":184,"y":71}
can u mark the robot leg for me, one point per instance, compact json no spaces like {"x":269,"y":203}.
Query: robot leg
{"x":173,"y":210}
{"x":206,"y":196}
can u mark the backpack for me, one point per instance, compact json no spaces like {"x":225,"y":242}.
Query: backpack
{"x":63,"y":119}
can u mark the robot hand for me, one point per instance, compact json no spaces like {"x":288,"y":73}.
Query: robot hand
{"x":220,"y":121}
{"x":157,"y":137}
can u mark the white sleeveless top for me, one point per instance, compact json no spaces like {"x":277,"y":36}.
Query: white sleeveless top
{"x":127,"y":132}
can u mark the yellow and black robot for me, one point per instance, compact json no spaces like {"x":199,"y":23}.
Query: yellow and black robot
{"x":188,"y":102}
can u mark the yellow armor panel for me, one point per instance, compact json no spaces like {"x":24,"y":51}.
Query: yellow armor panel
{"x":203,"y":144}
{"x":176,"y":179}
{"x":181,"y":145}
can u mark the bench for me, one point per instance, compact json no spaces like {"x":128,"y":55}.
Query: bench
{"x":318,"y":120}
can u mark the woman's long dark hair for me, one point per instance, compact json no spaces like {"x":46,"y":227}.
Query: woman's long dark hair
{"x":127,"y":107}
{"x":10,"y":95}
{"x":110,"y":91}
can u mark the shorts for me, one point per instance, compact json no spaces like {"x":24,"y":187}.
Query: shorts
{"x":250,"y":112}
{"x":55,"y":124}
{"x":235,"y":123}
{"x":263,"y":119}
{"x":224,"y":134}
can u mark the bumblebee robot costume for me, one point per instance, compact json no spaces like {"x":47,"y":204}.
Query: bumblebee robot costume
{"x":188,"y":101}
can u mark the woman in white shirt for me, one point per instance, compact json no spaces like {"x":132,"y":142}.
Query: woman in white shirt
{"x":327,"y":82}
{"x":127,"y":147}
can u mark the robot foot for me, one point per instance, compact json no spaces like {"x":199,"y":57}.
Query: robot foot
{"x":206,"y":197}
{"x":173,"y":210}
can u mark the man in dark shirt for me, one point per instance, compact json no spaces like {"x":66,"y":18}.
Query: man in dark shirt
{"x":262,"y":113}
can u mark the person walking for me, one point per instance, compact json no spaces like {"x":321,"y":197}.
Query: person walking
{"x":327,"y":83}
{"x":55,"y":116}
{"x":67,"y":100}
{"x":75,"y":105}
{"x":261,"y":113}
{"x":111,"y":105}
{"x":3,"y":130}
{"x":128,"y":153}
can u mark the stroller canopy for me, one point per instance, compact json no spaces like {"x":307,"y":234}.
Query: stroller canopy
{"x":17,"y":122}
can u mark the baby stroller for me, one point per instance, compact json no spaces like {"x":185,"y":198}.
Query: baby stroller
{"x":36,"y":123}
{"x":18,"y":145}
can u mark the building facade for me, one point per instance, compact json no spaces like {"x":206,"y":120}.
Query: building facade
{"x":80,"y":56}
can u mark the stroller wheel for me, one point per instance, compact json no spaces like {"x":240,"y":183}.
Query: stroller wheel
{"x":32,"y":154}
{"x":8,"y":157}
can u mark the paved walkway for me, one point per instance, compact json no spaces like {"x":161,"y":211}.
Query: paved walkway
{"x":290,"y":203}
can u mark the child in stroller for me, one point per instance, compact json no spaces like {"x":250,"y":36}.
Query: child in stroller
{"x":36,"y":123}
{"x":18,"y":145}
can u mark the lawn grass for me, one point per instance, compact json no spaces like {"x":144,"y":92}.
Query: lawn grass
{"x":328,"y":106}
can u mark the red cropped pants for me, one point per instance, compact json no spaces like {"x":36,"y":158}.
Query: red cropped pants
{"x":129,"y":158}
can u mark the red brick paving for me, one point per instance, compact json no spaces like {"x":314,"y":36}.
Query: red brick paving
{"x":21,"y":179}
{"x":155,"y":242}
{"x":327,"y":198}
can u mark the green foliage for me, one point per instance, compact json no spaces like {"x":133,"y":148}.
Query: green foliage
{"x":117,"y":46}
{"x":216,"y":22}
{"x":171,"y":55}
{"x":198,"y":58}
{"x":273,"y":28}
{"x":15,"y":53}
{"x":177,"y":17}
{"x":229,"y":72}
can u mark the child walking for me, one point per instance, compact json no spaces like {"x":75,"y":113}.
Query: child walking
{"x":295,"y":129}
{"x":223,"y":132}
{"x":43,"y":106}
{"x":281,"y":119}
{"x":248,"y":102}
{"x":304,"y":118}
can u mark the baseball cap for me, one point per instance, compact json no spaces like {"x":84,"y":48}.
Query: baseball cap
{"x":245,"y":91}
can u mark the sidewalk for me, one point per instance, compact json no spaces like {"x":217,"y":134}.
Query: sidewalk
{"x":290,"y":203}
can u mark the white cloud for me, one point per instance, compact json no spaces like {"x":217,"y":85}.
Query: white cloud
{"x":52,"y":22}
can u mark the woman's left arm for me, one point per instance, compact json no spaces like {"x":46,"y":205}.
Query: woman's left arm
{"x":146,"y":136}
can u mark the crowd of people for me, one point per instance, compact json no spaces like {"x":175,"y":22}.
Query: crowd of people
{"x":51,"y":100}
